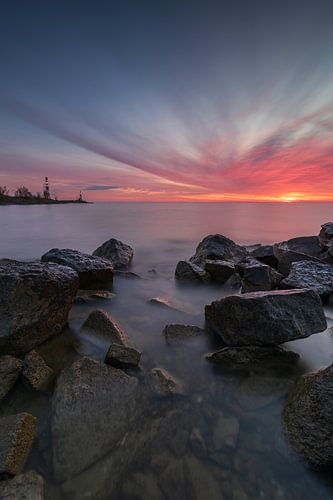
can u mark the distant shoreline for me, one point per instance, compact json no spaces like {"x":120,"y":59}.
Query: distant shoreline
{"x":11,"y":200}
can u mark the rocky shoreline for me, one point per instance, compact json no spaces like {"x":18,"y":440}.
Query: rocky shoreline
{"x":115,"y":411}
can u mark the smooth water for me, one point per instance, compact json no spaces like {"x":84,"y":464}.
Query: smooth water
{"x":257,"y":463}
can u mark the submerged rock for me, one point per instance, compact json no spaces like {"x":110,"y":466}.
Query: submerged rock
{"x":17,"y":433}
{"x":166,"y":303}
{"x":35,"y":300}
{"x":93,"y":272}
{"x":306,"y":274}
{"x":220,"y":270}
{"x":162,"y":383}
{"x":36,"y":374}
{"x":266,"y":318}
{"x":121,"y":356}
{"x":186,"y":271}
{"x":10,"y":369}
{"x":258,"y":390}
{"x":257,"y":276}
{"x":178,"y":334}
{"x":118,"y":253}
{"x":99,"y":322}
{"x":27,"y":486}
{"x":265,"y":254}
{"x":218,"y":247}
{"x":326,"y":236}
{"x":308,"y":418}
{"x":88,"y":296}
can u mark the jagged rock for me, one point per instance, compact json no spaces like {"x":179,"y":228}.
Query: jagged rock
{"x":162,"y":383}
{"x":36,"y":374}
{"x":166,"y":303}
{"x":177,"y":334}
{"x":257,"y":276}
{"x":289,"y":257}
{"x":218,"y":247}
{"x":94,"y":272}
{"x":88,"y":296}
{"x":265,"y":254}
{"x":100,"y":323}
{"x":326,"y":235}
{"x":121,"y":356}
{"x":117,"y":252}
{"x":306,"y":274}
{"x":308,"y":245}
{"x":220,"y":270}
{"x":266,"y":318}
{"x":258,"y":390}
{"x":10,"y":369}
{"x":233,"y":284}
{"x":94,"y":406}
{"x":249,"y":357}
{"x":225,"y":432}
{"x":200,"y":481}
{"x":27,"y":486}
{"x":187,"y":271}
{"x":308,"y":418}
{"x":35,"y":300}
{"x":17,"y":433}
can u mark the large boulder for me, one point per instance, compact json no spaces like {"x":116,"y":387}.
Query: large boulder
{"x":118,"y":253}
{"x":35,"y":300}
{"x":257,"y":276}
{"x":308,"y":245}
{"x":10,"y":369}
{"x":220,"y":270}
{"x":326,"y":235}
{"x":266,"y":318}
{"x":94,"y":272}
{"x":94,"y":406}
{"x":27,"y":486}
{"x":101,"y":325}
{"x":187,"y":271}
{"x":308,"y":418}
{"x":122,"y":356}
{"x":307,"y":274}
{"x":178,"y":334}
{"x":265,"y":254}
{"x":218,"y":247}
{"x":288,"y":257}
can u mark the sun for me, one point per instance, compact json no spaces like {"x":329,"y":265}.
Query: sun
{"x":290,"y":197}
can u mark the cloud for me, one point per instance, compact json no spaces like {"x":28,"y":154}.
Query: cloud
{"x":100,"y":188}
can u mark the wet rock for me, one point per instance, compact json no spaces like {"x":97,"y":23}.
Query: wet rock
{"x":265,"y":254}
{"x":36,"y":375}
{"x":10,"y":369}
{"x":178,"y":334}
{"x":200,"y":482}
{"x":220,"y":270}
{"x":266,"y":318}
{"x":198,"y":444}
{"x":253,"y":357}
{"x":166,"y":303}
{"x":17,"y":433}
{"x":258,"y":391}
{"x":315,"y":275}
{"x":225,"y":432}
{"x":99,"y":322}
{"x":289,"y":257}
{"x":94,"y":272}
{"x":27,"y":486}
{"x":34,"y":303}
{"x":308,"y":245}
{"x":94,"y":406}
{"x":162,"y":383}
{"x":142,"y":486}
{"x":118,"y":253}
{"x":88,"y":296}
{"x":187,"y":271}
{"x":257,"y":276}
{"x":218,"y":247}
{"x":308,"y":418}
{"x":121,"y":356}
{"x":326,"y":236}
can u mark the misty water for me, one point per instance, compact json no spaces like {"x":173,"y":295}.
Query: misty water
{"x":256,"y":463}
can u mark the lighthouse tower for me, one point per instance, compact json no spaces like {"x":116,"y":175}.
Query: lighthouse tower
{"x":46,"y":189}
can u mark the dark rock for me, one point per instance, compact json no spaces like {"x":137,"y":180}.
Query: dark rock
{"x":17,"y":433}
{"x":328,"y":255}
{"x":258,"y":390}
{"x":34,"y":303}
{"x":308,"y":245}
{"x":198,"y":444}
{"x":142,"y":486}
{"x":308,"y":418}
{"x":186,"y":271}
{"x":266,"y":318}
{"x":162,"y":383}
{"x":94,"y":406}
{"x":27,"y":486}
{"x":200,"y":481}
{"x":306,"y":274}
{"x":172,"y":481}
{"x":218,"y":247}
{"x":100,"y":323}
{"x":220,"y":270}
{"x":225,"y":432}
{"x":121,"y":356}
{"x":265,"y":254}
{"x":117,"y":252}
{"x":326,"y":235}
{"x":177,"y":334}
{"x":10,"y":369}
{"x":249,"y":357}
{"x":233,"y":284}
{"x":289,"y":257}
{"x":257,"y":276}
{"x":88,"y":296}
{"x":36,"y":374}
{"x":94,"y":272}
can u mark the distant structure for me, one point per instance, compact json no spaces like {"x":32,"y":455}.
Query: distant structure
{"x":80,"y":196}
{"x":46,"y":189}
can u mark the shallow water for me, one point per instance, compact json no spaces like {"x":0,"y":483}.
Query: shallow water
{"x":257,"y":464}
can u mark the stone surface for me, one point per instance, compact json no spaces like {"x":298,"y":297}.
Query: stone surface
{"x":121,"y":356}
{"x":17,"y":433}
{"x":308,"y":245}
{"x":178,"y":334}
{"x":89,"y":296}
{"x":99,"y":322}
{"x":225,"y":432}
{"x":94,"y":272}
{"x":142,"y":486}
{"x":266,"y":318}
{"x":10,"y":369}
{"x":197,"y":443}
{"x":289,"y":257}
{"x":187,"y":271}
{"x":257,"y":276}
{"x":162,"y":383}
{"x":308,"y":418}
{"x":35,"y":300}
{"x":200,"y":482}
{"x":27,"y":486}
{"x":220,"y":270}
{"x":306,"y":274}
{"x":326,"y":235}
{"x":218,"y":247}
{"x":35,"y":373}
{"x":94,"y":406}
{"x":166,"y":303}
{"x":118,"y":253}
{"x":265,"y":254}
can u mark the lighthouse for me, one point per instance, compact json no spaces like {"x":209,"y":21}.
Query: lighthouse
{"x":46,"y":189}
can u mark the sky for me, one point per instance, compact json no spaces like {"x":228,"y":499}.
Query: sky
{"x":168,"y":101}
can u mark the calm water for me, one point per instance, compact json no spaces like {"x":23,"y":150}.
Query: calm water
{"x":258,"y":464}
